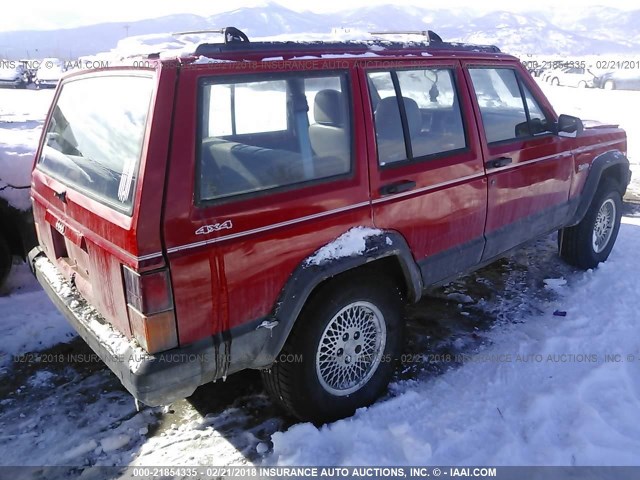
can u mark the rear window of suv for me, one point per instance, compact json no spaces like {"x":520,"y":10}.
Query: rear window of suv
{"x":95,"y":135}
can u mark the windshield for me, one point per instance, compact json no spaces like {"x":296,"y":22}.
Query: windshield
{"x":95,"y":135}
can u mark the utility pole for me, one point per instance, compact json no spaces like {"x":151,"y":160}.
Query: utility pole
{"x":126,"y":30}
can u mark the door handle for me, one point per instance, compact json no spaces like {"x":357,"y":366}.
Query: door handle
{"x":499,"y":162}
{"x":397,"y":187}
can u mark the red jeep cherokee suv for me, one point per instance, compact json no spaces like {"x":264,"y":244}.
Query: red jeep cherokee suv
{"x":270,"y":205}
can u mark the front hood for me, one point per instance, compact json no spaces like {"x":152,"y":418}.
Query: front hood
{"x":594,"y":124}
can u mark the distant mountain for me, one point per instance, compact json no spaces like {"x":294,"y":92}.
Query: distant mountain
{"x":272,"y":19}
{"x":75,"y":42}
{"x":537,"y":34}
{"x":589,"y":30}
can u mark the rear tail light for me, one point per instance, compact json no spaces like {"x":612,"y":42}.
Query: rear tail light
{"x":150,"y":307}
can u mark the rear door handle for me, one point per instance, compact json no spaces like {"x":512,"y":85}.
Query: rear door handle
{"x":499,"y":162}
{"x":397,"y":187}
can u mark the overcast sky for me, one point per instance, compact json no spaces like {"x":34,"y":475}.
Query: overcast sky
{"x":52,"y":14}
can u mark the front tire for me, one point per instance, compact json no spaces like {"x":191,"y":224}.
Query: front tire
{"x":6,"y":260}
{"x":591,"y":241}
{"x":341,"y":353}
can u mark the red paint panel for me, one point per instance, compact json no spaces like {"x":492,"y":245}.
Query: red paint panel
{"x":222,"y":284}
{"x":99,"y":240}
{"x":447,"y":206}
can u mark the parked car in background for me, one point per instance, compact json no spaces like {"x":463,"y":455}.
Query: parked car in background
{"x":572,"y":77}
{"x":618,"y":80}
{"x":13,"y":74}
{"x":546,"y":74}
{"x":221,"y":211}
{"x":49,"y":73}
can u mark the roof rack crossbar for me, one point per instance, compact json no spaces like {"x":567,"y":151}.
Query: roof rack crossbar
{"x":432,"y":36}
{"x":195,"y":32}
{"x":232,"y":35}
{"x":237,"y":41}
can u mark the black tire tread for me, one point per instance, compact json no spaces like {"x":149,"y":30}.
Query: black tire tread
{"x":280,"y":379}
{"x":574,"y":240}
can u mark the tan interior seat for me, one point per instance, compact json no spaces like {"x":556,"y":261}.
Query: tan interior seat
{"x":329,"y":135}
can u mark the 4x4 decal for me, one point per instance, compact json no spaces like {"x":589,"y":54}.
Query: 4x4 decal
{"x":214,"y":228}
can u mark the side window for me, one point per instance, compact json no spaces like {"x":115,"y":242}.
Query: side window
{"x":427,"y":122}
{"x":435,"y":126}
{"x":244,"y":120}
{"x":538,"y":121}
{"x":500,"y":102}
{"x":272,"y":132}
{"x":388,"y":122}
{"x":505,"y":115}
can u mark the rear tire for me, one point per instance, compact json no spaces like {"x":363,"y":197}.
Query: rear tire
{"x":6,"y":260}
{"x":590,"y":242}
{"x":342,"y":351}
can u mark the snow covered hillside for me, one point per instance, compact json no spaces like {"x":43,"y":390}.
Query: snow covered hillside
{"x":525,"y":362}
{"x":563,"y":30}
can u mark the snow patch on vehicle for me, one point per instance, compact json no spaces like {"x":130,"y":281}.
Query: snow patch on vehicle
{"x":116,"y":342}
{"x":201,"y":60}
{"x":348,"y":244}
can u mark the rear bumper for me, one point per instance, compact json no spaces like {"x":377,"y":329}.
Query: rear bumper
{"x":156,"y":379}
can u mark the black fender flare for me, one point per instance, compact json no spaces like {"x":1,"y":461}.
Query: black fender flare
{"x":599,"y":166}
{"x":309,"y":274}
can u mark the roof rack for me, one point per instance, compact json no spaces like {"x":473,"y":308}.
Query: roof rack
{"x":231,"y":34}
{"x":236,"y":42}
{"x":432,"y":36}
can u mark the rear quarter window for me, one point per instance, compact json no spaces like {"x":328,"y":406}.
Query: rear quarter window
{"x":269,"y":132}
{"x":95,"y":135}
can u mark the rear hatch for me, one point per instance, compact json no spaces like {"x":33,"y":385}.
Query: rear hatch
{"x":87,"y":190}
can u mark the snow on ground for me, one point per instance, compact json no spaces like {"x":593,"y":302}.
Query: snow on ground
{"x":458,"y":400}
{"x":543,"y":392}
{"x":29,"y":321}
{"x":22,"y":114}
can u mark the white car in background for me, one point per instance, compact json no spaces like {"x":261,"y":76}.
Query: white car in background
{"x":49,"y":73}
{"x":571,"y":77}
{"x":13,"y":74}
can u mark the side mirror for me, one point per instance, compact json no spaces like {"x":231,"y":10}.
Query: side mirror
{"x":569,"y":125}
